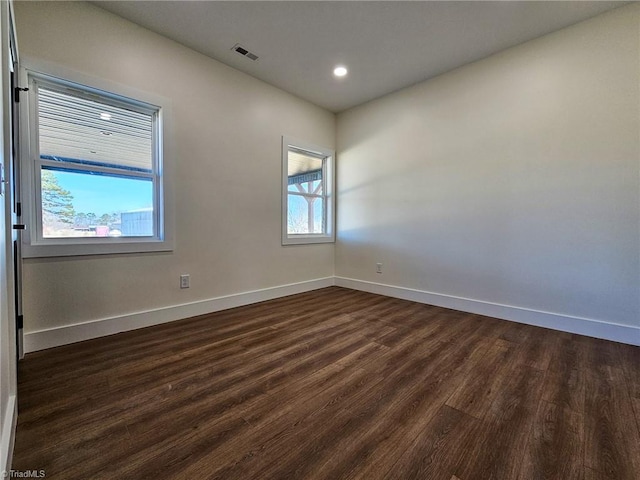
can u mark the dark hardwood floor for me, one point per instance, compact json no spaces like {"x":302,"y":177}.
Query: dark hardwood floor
{"x":333,"y":384}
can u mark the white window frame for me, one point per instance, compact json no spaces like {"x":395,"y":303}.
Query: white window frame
{"x":34,"y":243}
{"x":328,"y":176}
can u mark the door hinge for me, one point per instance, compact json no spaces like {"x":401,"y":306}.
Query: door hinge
{"x":16,"y":93}
{"x":20,"y":321}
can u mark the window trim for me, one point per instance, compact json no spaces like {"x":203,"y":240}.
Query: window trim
{"x":34,"y":244}
{"x":328,"y":174}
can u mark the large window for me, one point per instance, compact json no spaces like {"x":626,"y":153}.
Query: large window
{"x":308,"y":207}
{"x":95,"y":171}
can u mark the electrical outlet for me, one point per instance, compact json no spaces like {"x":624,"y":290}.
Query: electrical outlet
{"x":378,"y":268}
{"x":184,"y":281}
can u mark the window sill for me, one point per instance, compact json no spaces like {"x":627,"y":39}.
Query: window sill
{"x":98,"y":248}
{"x":307,"y":239}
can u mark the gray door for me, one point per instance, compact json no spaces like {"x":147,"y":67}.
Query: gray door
{"x":13,"y":186}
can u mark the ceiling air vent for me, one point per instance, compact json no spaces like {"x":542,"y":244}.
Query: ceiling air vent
{"x":239,"y":49}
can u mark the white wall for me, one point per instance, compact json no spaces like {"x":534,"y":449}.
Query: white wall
{"x":510,"y":181}
{"x":513,"y":181}
{"x":225,"y":147}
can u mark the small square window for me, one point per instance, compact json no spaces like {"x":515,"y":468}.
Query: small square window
{"x":308,"y":206}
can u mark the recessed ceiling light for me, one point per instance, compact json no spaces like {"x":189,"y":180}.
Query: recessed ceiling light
{"x":105,"y":116}
{"x":340,"y":71}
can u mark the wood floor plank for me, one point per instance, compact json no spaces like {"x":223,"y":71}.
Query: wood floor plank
{"x":274,"y":374}
{"x":387,"y":440}
{"x":335,"y":384}
{"x":478,"y":389}
{"x":630,"y":363}
{"x":494,"y":446}
{"x":488,"y":326}
{"x":519,"y":333}
{"x":599,"y":354}
{"x":636,"y":408}
{"x":538,"y":351}
{"x":366,"y":355}
{"x":590,"y":474}
{"x":298,"y":426}
{"x":318,"y":446}
{"x":433,"y":454}
{"x":555,"y":447}
{"x":611,"y":432}
{"x":148,"y":338}
{"x":564,"y":383}
{"x":263,"y":423}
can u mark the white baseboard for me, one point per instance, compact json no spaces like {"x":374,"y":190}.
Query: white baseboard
{"x":8,"y":434}
{"x":565,"y":323}
{"x":42,"y":339}
{"x":54,"y":337}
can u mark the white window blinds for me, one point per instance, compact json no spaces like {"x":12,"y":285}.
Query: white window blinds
{"x":77,"y":129}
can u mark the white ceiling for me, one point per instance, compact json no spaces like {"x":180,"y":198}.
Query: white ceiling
{"x":386,"y":45}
